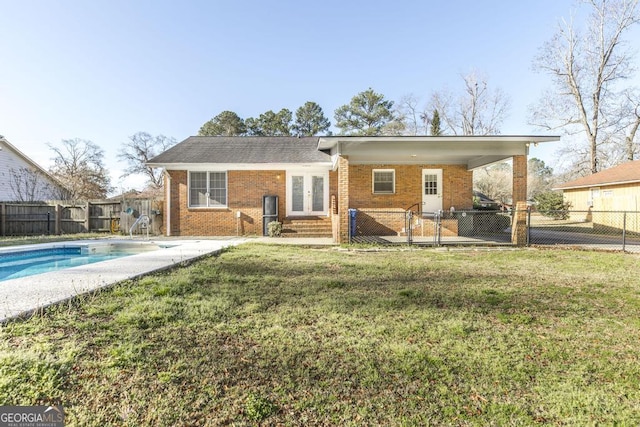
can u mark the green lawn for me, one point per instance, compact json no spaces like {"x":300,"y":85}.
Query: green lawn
{"x":280,"y":335}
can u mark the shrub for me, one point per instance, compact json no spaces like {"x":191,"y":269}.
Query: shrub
{"x":552,"y":204}
{"x":274,"y":228}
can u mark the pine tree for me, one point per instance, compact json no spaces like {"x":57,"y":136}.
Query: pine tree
{"x":435,"y":124}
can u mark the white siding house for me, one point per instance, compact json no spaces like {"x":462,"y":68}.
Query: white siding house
{"x":23,"y":180}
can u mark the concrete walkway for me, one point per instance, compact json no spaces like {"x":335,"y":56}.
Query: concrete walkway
{"x":27,"y":295}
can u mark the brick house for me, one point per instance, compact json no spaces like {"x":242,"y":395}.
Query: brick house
{"x":216,"y":186}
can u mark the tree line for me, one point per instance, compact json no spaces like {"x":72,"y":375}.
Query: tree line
{"x":477,"y":110}
{"x":589,"y":64}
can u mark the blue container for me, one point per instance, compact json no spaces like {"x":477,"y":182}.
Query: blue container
{"x":352,"y":222}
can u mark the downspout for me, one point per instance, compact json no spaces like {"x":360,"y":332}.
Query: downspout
{"x":168,"y":196}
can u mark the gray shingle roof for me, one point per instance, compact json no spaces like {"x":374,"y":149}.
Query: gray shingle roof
{"x":243,"y":149}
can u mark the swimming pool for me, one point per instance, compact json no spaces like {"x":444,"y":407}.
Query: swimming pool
{"x":23,"y":263}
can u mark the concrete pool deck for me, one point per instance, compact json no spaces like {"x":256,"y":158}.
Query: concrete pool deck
{"x":28,"y":295}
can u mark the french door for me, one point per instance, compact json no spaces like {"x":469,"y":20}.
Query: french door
{"x":307,"y":193}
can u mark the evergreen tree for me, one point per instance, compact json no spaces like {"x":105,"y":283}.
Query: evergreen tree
{"x":270,"y":124}
{"x":366,"y":114}
{"x":226,"y":123}
{"x":310,"y":120}
{"x":435,"y":123}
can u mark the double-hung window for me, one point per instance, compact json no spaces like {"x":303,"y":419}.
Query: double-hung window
{"x":207,"y":189}
{"x":384,"y":181}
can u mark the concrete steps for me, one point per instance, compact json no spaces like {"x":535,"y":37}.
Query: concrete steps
{"x":307,"y":227}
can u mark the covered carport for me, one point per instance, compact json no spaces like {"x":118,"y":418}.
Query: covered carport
{"x":451,"y":158}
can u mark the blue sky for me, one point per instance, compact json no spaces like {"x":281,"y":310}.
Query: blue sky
{"x":103,"y":70}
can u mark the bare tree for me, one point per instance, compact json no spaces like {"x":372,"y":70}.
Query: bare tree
{"x":495,"y":182}
{"x":585,"y":67}
{"x":28,"y":185}
{"x":477,"y":110}
{"x":407,"y":111}
{"x":631,"y":147}
{"x":78,"y":165}
{"x":140,"y":148}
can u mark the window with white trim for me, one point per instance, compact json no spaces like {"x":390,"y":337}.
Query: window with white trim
{"x":384,"y":181}
{"x":207,"y":189}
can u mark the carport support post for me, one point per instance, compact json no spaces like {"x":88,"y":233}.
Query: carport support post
{"x":519,"y":193}
{"x":519,"y":196}
{"x":343,"y":200}
{"x":519,"y":225}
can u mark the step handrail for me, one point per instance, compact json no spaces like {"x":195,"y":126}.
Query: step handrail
{"x":140,"y":219}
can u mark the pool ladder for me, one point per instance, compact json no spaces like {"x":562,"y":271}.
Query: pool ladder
{"x":143,"y":220}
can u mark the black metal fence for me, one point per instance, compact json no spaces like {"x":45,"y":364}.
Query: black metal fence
{"x":608,"y":230}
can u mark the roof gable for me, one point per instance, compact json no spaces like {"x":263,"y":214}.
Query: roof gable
{"x":11,"y":158}
{"x":247,"y":150}
{"x":625,"y":173}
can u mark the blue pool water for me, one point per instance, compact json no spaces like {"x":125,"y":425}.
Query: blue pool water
{"x":27,"y":263}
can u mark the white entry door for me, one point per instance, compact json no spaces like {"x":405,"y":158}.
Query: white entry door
{"x":431,"y":190}
{"x":307,"y":193}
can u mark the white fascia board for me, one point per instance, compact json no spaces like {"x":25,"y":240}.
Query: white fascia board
{"x":243,"y":166}
{"x":325,"y":143}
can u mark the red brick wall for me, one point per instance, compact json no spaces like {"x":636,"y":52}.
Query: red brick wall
{"x":246,"y":188}
{"x":341,"y":232}
{"x":244,"y":193}
{"x":519,"y":179}
{"x":457,"y":187}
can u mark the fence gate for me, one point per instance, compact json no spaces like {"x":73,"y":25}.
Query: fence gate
{"x":430,"y":228}
{"x":605,"y":230}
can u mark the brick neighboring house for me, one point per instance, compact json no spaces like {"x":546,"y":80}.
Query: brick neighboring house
{"x":216,"y":185}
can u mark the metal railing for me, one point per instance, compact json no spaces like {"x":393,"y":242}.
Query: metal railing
{"x":619,"y":230}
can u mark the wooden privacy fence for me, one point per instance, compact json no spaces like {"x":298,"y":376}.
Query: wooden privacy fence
{"x":65,"y":217}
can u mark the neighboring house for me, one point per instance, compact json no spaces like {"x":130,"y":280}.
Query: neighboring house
{"x":23,"y":180}
{"x":616,"y":189}
{"x":217,"y":185}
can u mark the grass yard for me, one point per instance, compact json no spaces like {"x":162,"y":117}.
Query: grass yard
{"x":280,"y":335}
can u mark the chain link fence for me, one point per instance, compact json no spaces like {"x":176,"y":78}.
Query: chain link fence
{"x":611,"y":230}
{"x":586,"y":229}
